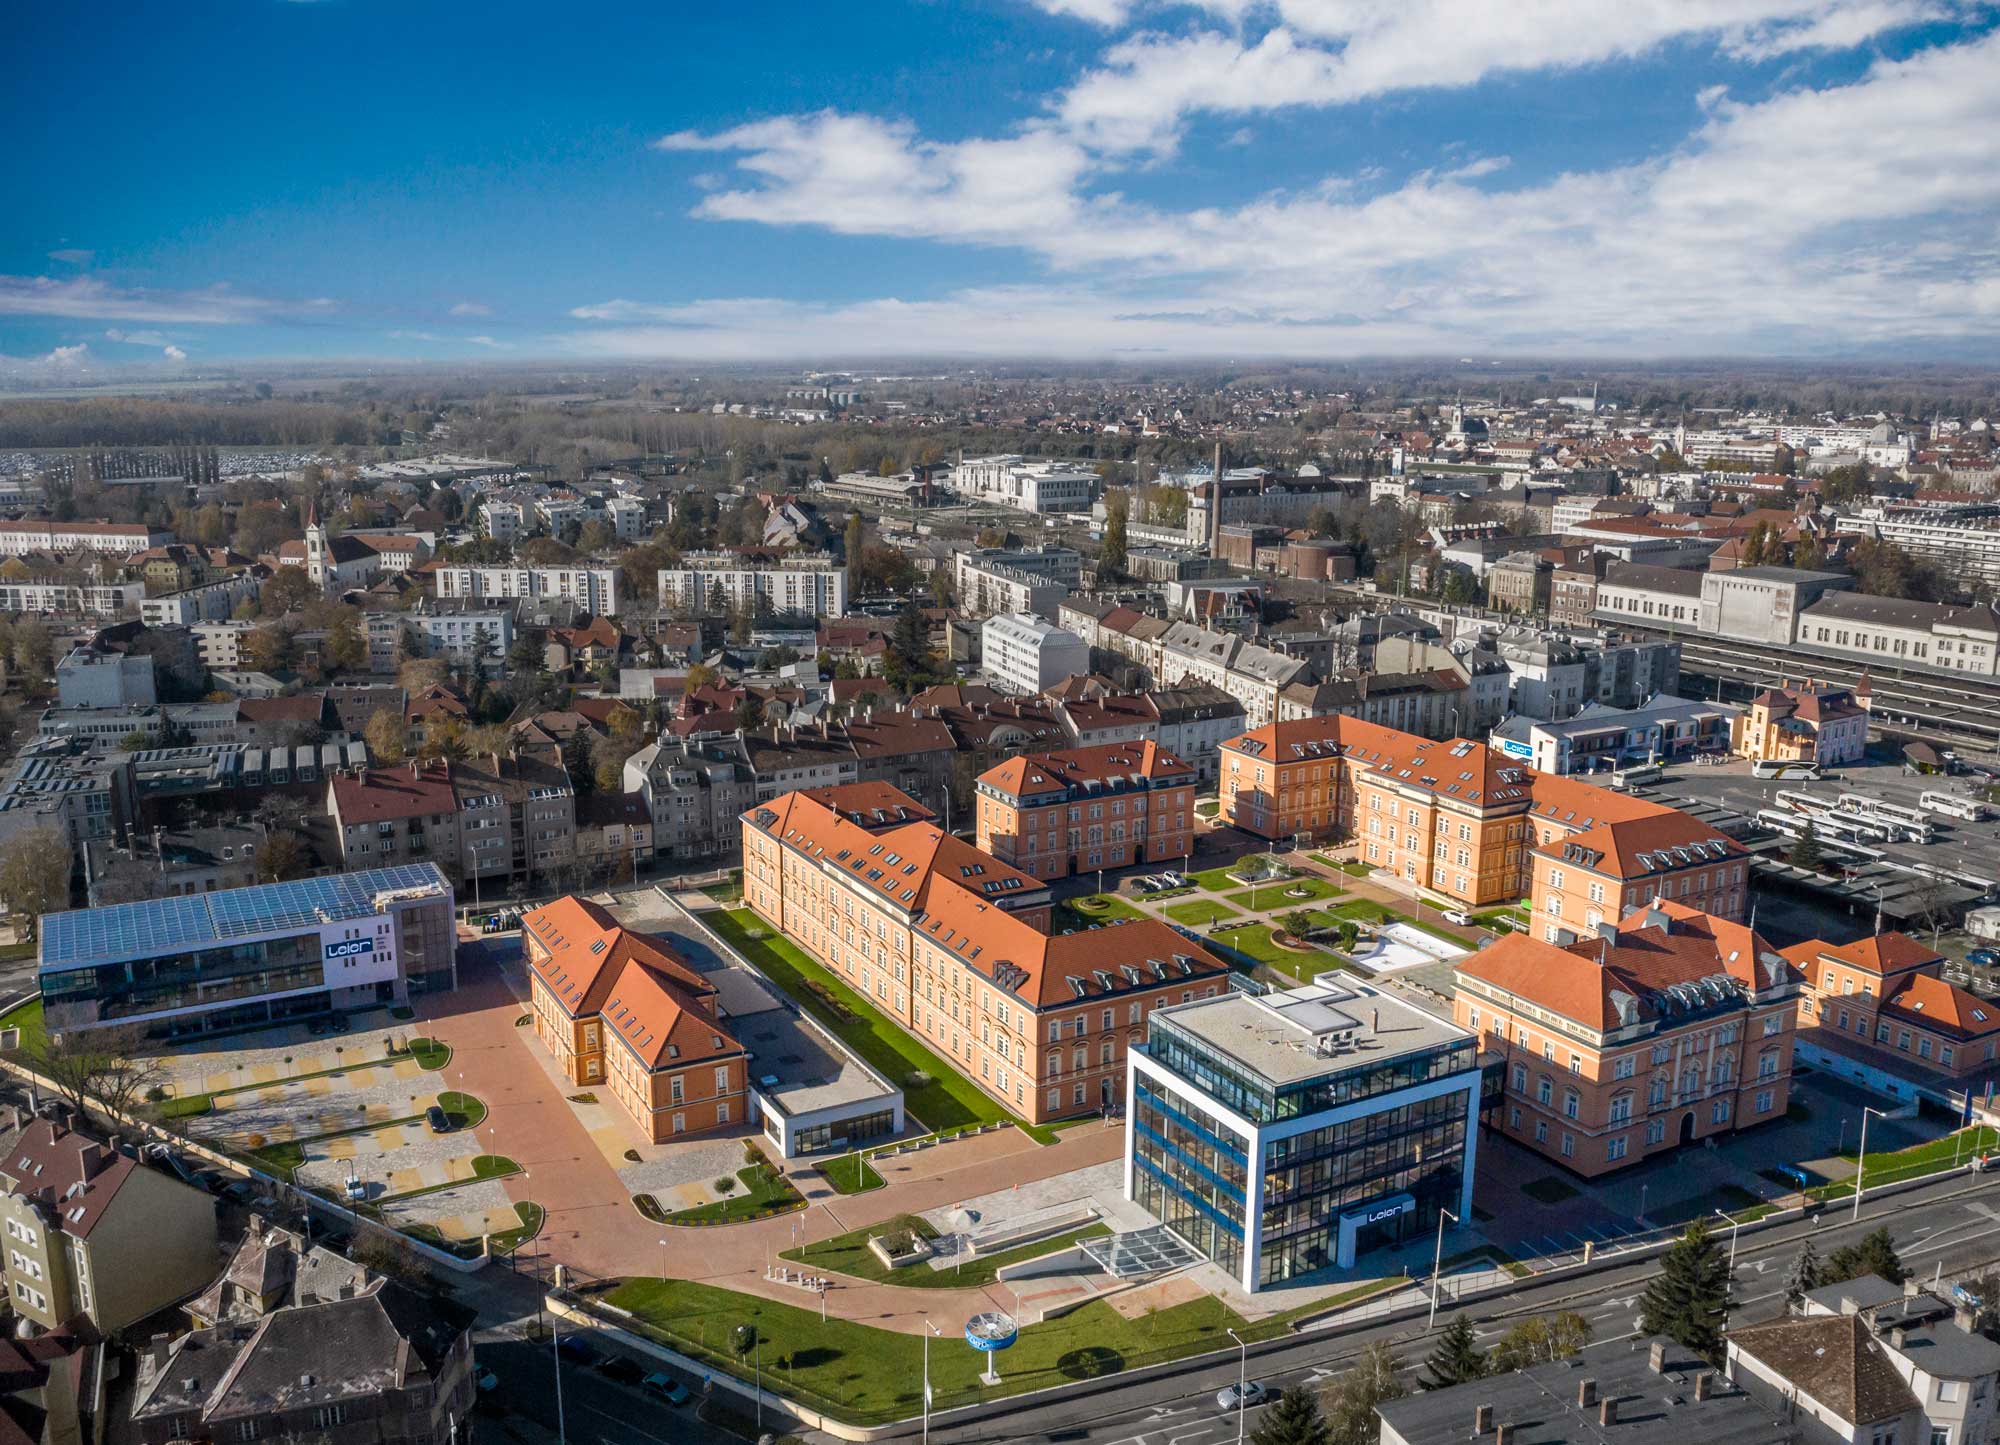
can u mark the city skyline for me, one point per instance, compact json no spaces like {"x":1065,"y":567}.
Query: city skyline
{"x":1051,"y":178}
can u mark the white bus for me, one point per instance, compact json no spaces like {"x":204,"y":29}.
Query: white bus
{"x":1637,"y":775}
{"x":1903,"y":823}
{"x":1801,"y":772}
{"x":1966,"y":810}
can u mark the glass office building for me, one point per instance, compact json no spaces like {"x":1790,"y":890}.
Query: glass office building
{"x":1289,"y":1133}
{"x":245,"y":957}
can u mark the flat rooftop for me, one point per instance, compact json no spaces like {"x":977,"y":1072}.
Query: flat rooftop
{"x":812,"y":1073}
{"x":1315,"y":1031}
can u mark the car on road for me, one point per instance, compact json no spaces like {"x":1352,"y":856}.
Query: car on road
{"x":1247,"y":1396}
{"x":621,"y":1370}
{"x":1984,"y":957}
{"x":576,"y":1349}
{"x":488,"y":1382}
{"x":1458,"y":916}
{"x":439,"y":1121}
{"x":666,"y":1387}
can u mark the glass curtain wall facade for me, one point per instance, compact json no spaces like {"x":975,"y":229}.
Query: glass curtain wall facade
{"x":1374,"y":1151}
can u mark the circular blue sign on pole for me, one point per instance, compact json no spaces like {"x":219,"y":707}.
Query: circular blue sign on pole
{"x":991,"y":1331}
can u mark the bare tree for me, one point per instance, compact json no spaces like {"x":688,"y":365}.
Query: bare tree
{"x":34,"y":875}
{"x":90,"y":1074}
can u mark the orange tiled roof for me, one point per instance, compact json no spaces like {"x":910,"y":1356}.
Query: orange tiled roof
{"x":1926,"y":999}
{"x":1054,"y":774}
{"x":1880,"y":954}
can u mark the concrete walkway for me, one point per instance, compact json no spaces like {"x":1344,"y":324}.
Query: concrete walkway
{"x":593,"y":1227}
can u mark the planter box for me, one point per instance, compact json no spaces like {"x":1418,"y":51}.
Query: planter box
{"x":918,"y":1255}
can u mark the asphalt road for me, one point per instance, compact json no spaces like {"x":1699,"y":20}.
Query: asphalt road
{"x":1955,"y":1224}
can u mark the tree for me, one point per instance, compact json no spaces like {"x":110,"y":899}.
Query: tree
{"x":483,"y":649}
{"x":940,"y":587}
{"x":1805,"y":851}
{"x":1688,"y":1299}
{"x":1457,"y":1357}
{"x":908,"y":659}
{"x":346,"y":644}
{"x":282,"y":858}
{"x":288,"y":590}
{"x":576,"y":760}
{"x":1803,"y":1276}
{"x":34,"y":876}
{"x":1294,"y":1420}
{"x":851,"y":538}
{"x":1117,"y":511}
{"x":87,"y":1071}
{"x":384,"y":734}
{"x":34,"y":655}
{"x":267,"y":648}
{"x":526,"y":653}
{"x":1875,"y":1254}
{"x":1353,"y":1396}
{"x":1539,"y":1340}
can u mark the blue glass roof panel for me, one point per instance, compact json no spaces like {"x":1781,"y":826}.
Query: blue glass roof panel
{"x":160,"y":925}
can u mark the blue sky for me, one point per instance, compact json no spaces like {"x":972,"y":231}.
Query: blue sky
{"x":1068,"y":178}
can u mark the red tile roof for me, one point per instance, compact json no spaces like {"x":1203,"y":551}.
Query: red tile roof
{"x":1045,"y":776}
{"x":1880,"y":954}
{"x":408,"y":790}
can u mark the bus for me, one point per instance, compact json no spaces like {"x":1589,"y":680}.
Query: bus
{"x":1637,"y":776}
{"x":1966,"y":810}
{"x":1799,"y":771}
{"x":1903,"y":823}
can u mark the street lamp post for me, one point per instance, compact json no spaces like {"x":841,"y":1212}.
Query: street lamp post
{"x":1242,"y":1381}
{"x":930,"y":1329}
{"x":1732,"y":1264}
{"x":1642,"y":1202}
{"x":555,"y":1354}
{"x":1437,"y":1263}
{"x":1861,"y":1159}
{"x":663,"y":1259}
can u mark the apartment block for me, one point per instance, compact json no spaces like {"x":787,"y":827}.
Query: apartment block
{"x":951,"y":943}
{"x":594,"y":590}
{"x":812,"y":584}
{"x":1667,"y":1027}
{"x":1054,"y":815}
{"x":619,"y":1010}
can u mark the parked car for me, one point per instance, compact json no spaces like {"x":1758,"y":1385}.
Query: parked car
{"x":1458,"y":916}
{"x":621,"y":1369}
{"x":439,"y":1121}
{"x":488,"y":1382}
{"x":667,"y":1388}
{"x":576,"y":1349}
{"x":1984,"y":957}
{"x":1252,"y":1395}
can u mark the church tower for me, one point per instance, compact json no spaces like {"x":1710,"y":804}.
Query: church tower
{"x":315,"y":547}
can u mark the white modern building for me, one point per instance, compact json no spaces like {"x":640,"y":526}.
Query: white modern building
{"x":450,"y":633}
{"x":1029,"y":486}
{"x":220,"y":644}
{"x":1963,"y":541}
{"x":813,"y":584}
{"x":594,"y":589}
{"x":103,"y":599}
{"x":1024,"y":654}
{"x":503,"y":521}
{"x":88,"y":678}
{"x":628,"y":518}
{"x":1286,"y":1134}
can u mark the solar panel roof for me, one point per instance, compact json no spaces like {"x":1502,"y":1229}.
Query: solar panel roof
{"x":160,"y":925}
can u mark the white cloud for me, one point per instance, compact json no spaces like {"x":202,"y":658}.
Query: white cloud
{"x":471,"y":308}
{"x":1780,"y":226}
{"x":135,"y":338}
{"x":490,"y":341}
{"x":437,"y":339}
{"x":73,"y":257}
{"x":64,"y":361}
{"x":88,"y":298}
{"x":1097,"y":12}
{"x":173,"y":353}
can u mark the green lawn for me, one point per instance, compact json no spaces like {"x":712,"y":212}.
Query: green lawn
{"x":1362,"y":910}
{"x":1200,"y":913}
{"x":1353,"y":868}
{"x":1208,"y":807}
{"x":763,"y":1190}
{"x":729,"y":891}
{"x":1094,"y":908}
{"x":849,"y":1254}
{"x":1215,"y":880}
{"x":464,"y":1110}
{"x":484,"y":1166}
{"x":944,"y":1100}
{"x":185,"y":1106}
{"x":430,"y":1053}
{"x":1919,"y":1159}
{"x":851,"y":1174}
{"x":868,"y":1375}
{"x":28,"y":1019}
{"x":1270,"y":897}
{"x":1254,"y":939}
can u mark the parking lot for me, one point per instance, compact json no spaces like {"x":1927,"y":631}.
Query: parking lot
{"x":1972,"y":848}
{"x":348,"y":1114}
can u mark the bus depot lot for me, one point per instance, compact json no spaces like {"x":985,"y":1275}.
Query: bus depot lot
{"x":1972,"y":848}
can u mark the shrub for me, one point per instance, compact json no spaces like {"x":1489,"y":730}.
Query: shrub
{"x":918,"y":1079}
{"x":725,"y":1185}
{"x":155,"y":1095}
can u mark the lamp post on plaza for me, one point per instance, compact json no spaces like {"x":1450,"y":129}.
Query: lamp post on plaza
{"x":1242,"y":1382}
{"x":1437,"y":1262}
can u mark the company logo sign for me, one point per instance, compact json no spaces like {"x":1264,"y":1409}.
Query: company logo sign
{"x":1377,"y":1216}
{"x":349,"y":948}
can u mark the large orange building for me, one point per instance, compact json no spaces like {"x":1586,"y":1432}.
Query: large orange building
{"x":1053,"y":815}
{"x":1671,"y":1026}
{"x":952,"y":944}
{"x":1878,"y":1010}
{"x":1455,"y":818}
{"x":620,"y":1011}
